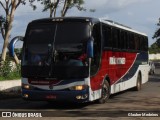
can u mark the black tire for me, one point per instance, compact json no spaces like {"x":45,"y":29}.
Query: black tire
{"x":105,"y":92}
{"x":139,"y":83}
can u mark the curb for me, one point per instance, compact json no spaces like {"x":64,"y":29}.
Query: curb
{"x":10,"y":86}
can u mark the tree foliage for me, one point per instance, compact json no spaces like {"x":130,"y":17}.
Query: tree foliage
{"x":154,"y":48}
{"x":63,"y":5}
{"x":6,"y":21}
{"x":68,"y":4}
{"x":157,"y":34}
{"x":2,"y":23}
{"x":10,"y":6}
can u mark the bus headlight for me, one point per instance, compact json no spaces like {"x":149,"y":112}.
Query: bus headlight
{"x":78,"y":87}
{"x":26,"y":86}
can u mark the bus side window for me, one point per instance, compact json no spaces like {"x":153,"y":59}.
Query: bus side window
{"x":115,"y":36}
{"x":107,"y":36}
{"x":137,"y":42}
{"x":145,"y":43}
{"x":95,"y":63}
{"x":141,"y":43}
{"x":131,"y":42}
{"x":128,"y":40}
{"x":123,"y":40}
{"x":104,"y":33}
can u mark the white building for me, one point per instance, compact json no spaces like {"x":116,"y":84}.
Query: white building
{"x":154,"y":56}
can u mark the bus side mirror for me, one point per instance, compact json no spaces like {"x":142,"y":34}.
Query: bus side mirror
{"x":90,"y":49}
{"x":12,"y":44}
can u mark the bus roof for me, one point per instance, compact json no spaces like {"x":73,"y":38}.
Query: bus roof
{"x":93,"y":20}
{"x":121,"y":26}
{"x":57,"y":19}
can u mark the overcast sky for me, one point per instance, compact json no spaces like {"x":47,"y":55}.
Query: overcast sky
{"x":141,"y":15}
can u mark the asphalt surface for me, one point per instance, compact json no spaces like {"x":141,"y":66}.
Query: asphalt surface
{"x":146,"y":99}
{"x":119,"y":105}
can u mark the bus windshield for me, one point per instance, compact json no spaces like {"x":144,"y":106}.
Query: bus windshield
{"x":56,"y":50}
{"x":42,"y":40}
{"x":71,"y":36}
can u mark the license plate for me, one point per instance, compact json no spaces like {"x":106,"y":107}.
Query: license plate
{"x":51,"y":96}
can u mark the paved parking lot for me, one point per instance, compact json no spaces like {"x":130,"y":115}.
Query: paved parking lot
{"x":148,"y":99}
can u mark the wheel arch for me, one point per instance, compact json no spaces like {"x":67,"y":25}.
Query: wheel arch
{"x":107,"y":78}
{"x":106,"y":88}
{"x":140,"y":73}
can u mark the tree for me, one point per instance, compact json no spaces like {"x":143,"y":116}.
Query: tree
{"x":64,"y":5}
{"x":9,"y":7}
{"x":157,"y":34}
{"x":154,"y":49}
{"x":2,"y":23}
{"x":68,"y":4}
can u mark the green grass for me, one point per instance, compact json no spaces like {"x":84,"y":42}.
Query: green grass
{"x":11,"y":76}
{"x":8,"y":73}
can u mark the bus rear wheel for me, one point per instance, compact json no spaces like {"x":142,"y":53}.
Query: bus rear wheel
{"x":105,"y":92}
{"x":139,"y":83}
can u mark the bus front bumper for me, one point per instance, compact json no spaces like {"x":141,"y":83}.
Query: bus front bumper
{"x":70,"y":96}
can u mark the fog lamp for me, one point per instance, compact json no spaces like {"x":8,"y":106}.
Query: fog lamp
{"x":25,"y":95}
{"x":78,"y":97}
{"x":82,"y":96}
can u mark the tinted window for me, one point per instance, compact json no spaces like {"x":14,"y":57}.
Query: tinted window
{"x":39,"y":37}
{"x":95,"y":63}
{"x":71,"y":36}
{"x":107,"y":36}
{"x":40,"y":34}
{"x":131,"y":42}
{"x":115,"y":36}
{"x":123,"y":40}
{"x":144,"y":43}
{"x":137,"y":42}
{"x":71,"y":33}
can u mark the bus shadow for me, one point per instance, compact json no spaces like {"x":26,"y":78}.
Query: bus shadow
{"x":122,"y":92}
{"x":82,"y":106}
{"x":68,"y":105}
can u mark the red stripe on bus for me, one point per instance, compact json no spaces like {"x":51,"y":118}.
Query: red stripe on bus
{"x":114,"y":71}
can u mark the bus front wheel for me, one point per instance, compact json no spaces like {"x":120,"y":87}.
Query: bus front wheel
{"x":139,"y":83}
{"x":105,"y":92}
